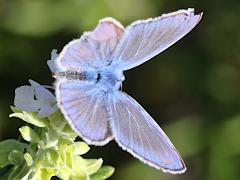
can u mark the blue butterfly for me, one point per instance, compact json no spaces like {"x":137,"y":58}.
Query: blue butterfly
{"x":90,"y":73}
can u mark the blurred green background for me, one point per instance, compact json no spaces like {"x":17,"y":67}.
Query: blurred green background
{"x":192,"y":89}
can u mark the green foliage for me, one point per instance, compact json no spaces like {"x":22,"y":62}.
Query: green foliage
{"x":103,"y":173}
{"x":50,"y":149}
{"x":30,"y":118}
{"x":7,"y":148}
{"x":73,"y":16}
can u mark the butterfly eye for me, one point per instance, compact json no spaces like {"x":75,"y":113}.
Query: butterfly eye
{"x":98,"y":77}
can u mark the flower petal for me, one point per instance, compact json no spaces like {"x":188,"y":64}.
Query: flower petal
{"x":24,"y":99}
{"x":52,"y":62}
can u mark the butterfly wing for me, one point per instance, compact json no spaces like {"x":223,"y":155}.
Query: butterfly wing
{"x":83,"y":105}
{"x":93,"y":49}
{"x":135,"y":131}
{"x":144,"y":39}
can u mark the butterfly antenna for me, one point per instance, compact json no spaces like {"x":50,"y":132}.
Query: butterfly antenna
{"x":49,"y":87}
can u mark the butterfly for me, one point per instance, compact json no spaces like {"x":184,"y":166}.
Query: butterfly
{"x":90,"y":74}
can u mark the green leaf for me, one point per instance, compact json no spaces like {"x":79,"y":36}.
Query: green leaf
{"x":28,"y":159}
{"x":64,"y":142}
{"x":32,"y":148}
{"x":90,"y":166}
{"x":6,"y":147}
{"x":78,"y":163}
{"x":49,"y":137}
{"x":4,"y":172}
{"x":57,"y":121}
{"x":69,"y":132}
{"x":64,"y":172}
{"x":66,"y":148}
{"x":79,"y":168}
{"x":49,"y":158}
{"x":103,"y":173}
{"x":18,"y":172}
{"x":29,"y":134}
{"x":16,"y":157}
{"x":93,"y":165}
{"x":81,"y":148}
{"x":45,"y":174}
{"x":69,"y":156}
{"x":31,"y":118}
{"x":79,"y":177}
{"x":15,"y":109}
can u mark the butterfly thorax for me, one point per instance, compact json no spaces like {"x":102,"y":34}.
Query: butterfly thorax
{"x":109,"y":80}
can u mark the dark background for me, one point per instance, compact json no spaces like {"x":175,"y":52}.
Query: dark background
{"x":192,"y":89}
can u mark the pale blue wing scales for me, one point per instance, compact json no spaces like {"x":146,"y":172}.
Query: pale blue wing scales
{"x":83,"y":105}
{"x":144,"y":39}
{"x":135,"y":131}
{"x":93,"y":50}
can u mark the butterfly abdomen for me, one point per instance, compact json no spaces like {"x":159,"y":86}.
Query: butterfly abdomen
{"x":76,"y":75}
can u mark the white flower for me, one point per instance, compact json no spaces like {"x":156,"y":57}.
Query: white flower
{"x":52,"y":62}
{"x":35,"y":98}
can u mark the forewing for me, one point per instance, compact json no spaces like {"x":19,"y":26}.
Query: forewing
{"x":93,"y":49}
{"x":144,"y":39}
{"x":136,"y":131}
{"x":83,"y":105}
